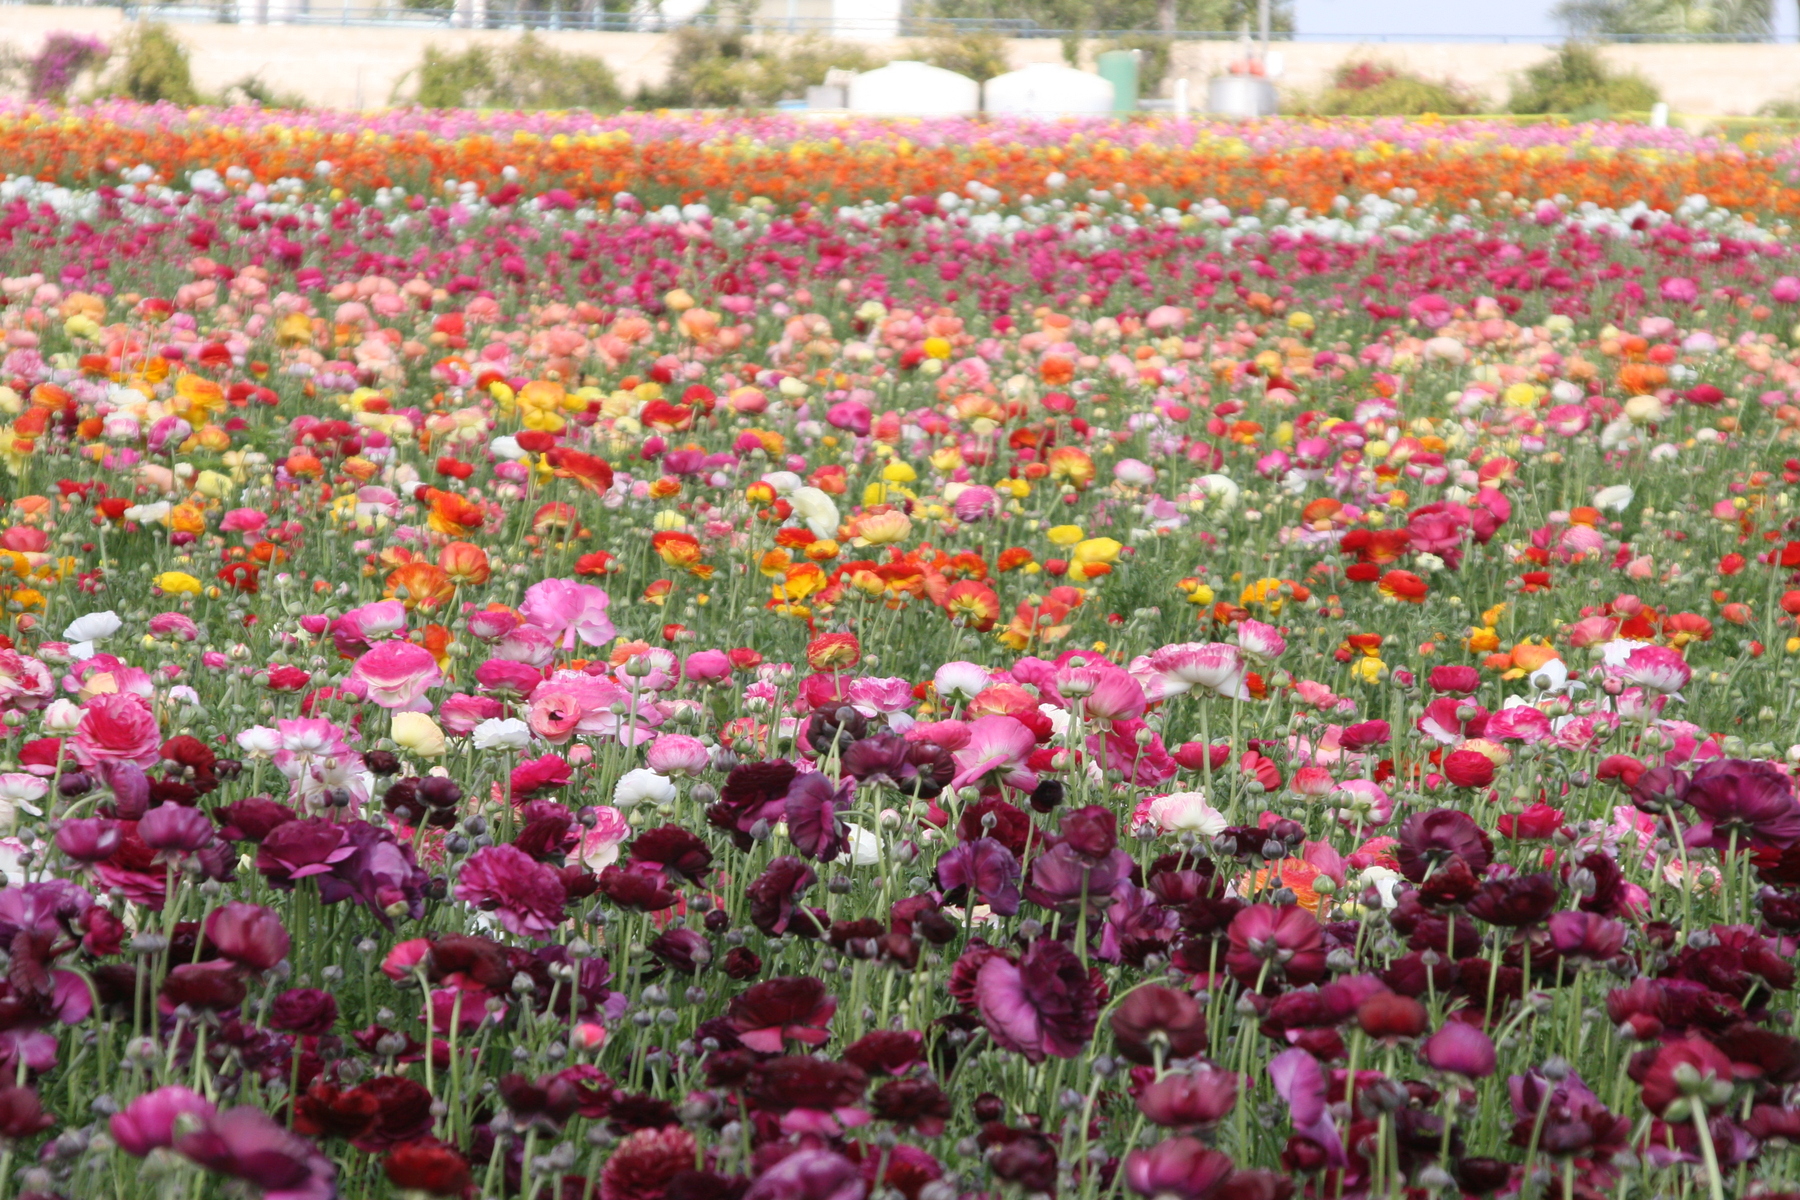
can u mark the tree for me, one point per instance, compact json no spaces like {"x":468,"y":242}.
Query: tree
{"x":1740,"y":20}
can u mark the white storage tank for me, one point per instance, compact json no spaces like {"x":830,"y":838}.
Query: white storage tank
{"x":1048,"y":90}
{"x":914,"y":89}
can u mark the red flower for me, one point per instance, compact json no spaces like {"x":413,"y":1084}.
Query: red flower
{"x":428,"y":1166}
{"x":644,"y":1163}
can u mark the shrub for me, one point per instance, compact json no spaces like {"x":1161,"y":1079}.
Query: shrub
{"x":526,"y":74}
{"x":63,"y":58}
{"x":980,"y":55}
{"x":1577,"y":81}
{"x":252,"y":90}
{"x":723,"y":67}
{"x":1366,"y":88}
{"x":153,"y":66}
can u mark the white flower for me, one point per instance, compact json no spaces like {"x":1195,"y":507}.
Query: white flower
{"x":635,"y":787}
{"x":498,"y":733}
{"x":1618,"y":497}
{"x":960,"y":680}
{"x":817,"y":509}
{"x":1384,"y":880}
{"x":508,"y":448}
{"x":20,"y":792}
{"x":149,"y":514}
{"x":784,"y":482}
{"x":94,"y":627}
{"x":259,"y":741}
{"x":1221,"y":489}
{"x":62,"y":717}
{"x":864,"y":848}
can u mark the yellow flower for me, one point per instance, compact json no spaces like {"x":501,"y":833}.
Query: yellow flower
{"x":1097,"y":550}
{"x":1368,"y":670}
{"x":899,"y":472}
{"x":1064,"y":535}
{"x":937,"y":347}
{"x":185,"y":518}
{"x":418,"y":734}
{"x":881,"y":529}
{"x":177,"y":583}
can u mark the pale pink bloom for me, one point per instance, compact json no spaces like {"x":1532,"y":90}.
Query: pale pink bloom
{"x":1115,"y":696}
{"x":1519,"y":723}
{"x":880,"y":695}
{"x":569,"y":611}
{"x":1178,"y":812}
{"x":1313,"y":782}
{"x":360,"y":628}
{"x":1260,"y":641}
{"x":1364,"y":803}
{"x":397,"y":675}
{"x":1322,"y":697}
{"x":1216,"y":667}
{"x":677,"y":754}
{"x":492,"y":626}
{"x":959,"y":680}
{"x":1641,"y":567}
{"x":599,"y":847}
{"x":1657,"y":668}
{"x":998,"y":747}
{"x":528,"y":644}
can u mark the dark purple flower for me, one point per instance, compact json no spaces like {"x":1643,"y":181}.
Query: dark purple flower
{"x":172,"y":829}
{"x":1092,"y":831}
{"x":246,"y":1144}
{"x":1585,"y":935}
{"x":1271,"y":942}
{"x":640,"y":887}
{"x":792,"y":1006}
{"x":252,"y":819}
{"x":916,"y":1104}
{"x":1045,"y":1005}
{"x":214,"y":986}
{"x":812,"y":806}
{"x":773,"y":897}
{"x":148,"y":1123}
{"x":1189,"y":1099}
{"x":379,"y":872}
{"x":301,"y":849}
{"x":89,"y":839}
{"x":1063,"y":878}
{"x":1153,"y":1017}
{"x":678,"y":852}
{"x":1750,"y":799}
{"x":1432,"y":839}
{"x":248,"y":934}
{"x":683,"y":949}
{"x":307,"y":1011}
{"x":754,"y":791}
{"x":1516,"y":901}
{"x":1180,"y":1167}
{"x":528,"y":895}
{"x":987,"y":868}
{"x":810,"y":1175}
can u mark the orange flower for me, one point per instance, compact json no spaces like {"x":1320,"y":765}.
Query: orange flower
{"x":1012,"y":558}
{"x":420,"y":585}
{"x":597,"y":563}
{"x":554,"y":517}
{"x":972,"y":603}
{"x":465,"y":563}
{"x":452,"y":514}
{"x":682,"y":552}
{"x":593,"y":473}
{"x":833,"y":652}
{"x":1071,"y":465}
{"x":1404,"y":586}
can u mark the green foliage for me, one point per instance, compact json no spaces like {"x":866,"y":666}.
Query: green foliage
{"x":1785,"y":109}
{"x":723,"y":67}
{"x":527,"y":74}
{"x":980,"y":55}
{"x":252,"y":90}
{"x":1366,"y":88}
{"x":1752,"y":20}
{"x":1577,"y":81}
{"x":153,"y":66}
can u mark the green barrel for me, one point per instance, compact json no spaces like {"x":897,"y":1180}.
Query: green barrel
{"x":1120,"y":68}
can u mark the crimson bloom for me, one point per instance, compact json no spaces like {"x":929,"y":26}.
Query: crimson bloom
{"x":1276,"y":942}
{"x":792,"y":1006}
{"x":1046,"y":1004}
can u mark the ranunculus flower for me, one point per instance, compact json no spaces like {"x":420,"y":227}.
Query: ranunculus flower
{"x":397,"y":674}
{"x":569,"y":612}
{"x":527,"y":895}
{"x":116,"y":727}
{"x":418,"y":734}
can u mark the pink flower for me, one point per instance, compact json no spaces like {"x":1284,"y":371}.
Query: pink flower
{"x":148,"y":1123}
{"x":677,"y":754}
{"x":569,"y":611}
{"x":998,"y":747}
{"x":460,"y":714}
{"x":1655,"y":667}
{"x":1216,"y":667}
{"x":599,"y":847}
{"x":707,"y":666}
{"x":116,"y":727}
{"x":526,"y":895}
{"x":361,"y":628}
{"x":1260,"y":641}
{"x":1300,"y":1082}
{"x":397,"y":675}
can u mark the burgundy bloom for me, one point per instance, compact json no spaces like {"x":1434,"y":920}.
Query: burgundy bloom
{"x":546,"y":1104}
{"x":248,"y":934}
{"x":172,"y":829}
{"x":810,"y":1175}
{"x":1516,"y":901}
{"x":1064,"y":878}
{"x":1586,"y":935}
{"x":428,"y":1166}
{"x":1686,"y":1074}
{"x":1009,"y":825}
{"x":21,"y":1114}
{"x":801,"y":1081}
{"x":793,"y":1006}
{"x":1432,"y":839}
{"x":214,"y":986}
{"x":886,"y":1051}
{"x":246,"y":1144}
{"x":89,"y":839}
{"x":301,"y":849}
{"x":1045,"y":1005}
{"x":306,"y":1011}
{"x":640,"y":887}
{"x":812,"y":808}
{"x":741,"y":963}
{"x":403,"y":1112}
{"x":528,"y":895}
{"x":987,"y":868}
{"x":1153,"y":1017}
{"x":773,"y":896}
{"x":642,"y":1166}
{"x":323,"y":1110}
{"x":1179,"y":1167}
{"x":916,"y":1104}
{"x":252,"y":819}
{"x":675,"y":850}
{"x":682,"y":949}
{"x":1189,"y":1099}
{"x":753,"y":792}
{"x":1270,"y":942}
{"x":1092,"y":831}
{"x":1749,"y":798}
{"x":1021,"y":1157}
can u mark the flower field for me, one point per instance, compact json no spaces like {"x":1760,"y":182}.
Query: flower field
{"x":730,"y":659}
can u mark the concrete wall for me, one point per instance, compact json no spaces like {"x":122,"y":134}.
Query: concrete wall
{"x":360,"y":66}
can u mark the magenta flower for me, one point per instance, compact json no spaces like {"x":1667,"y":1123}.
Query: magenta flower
{"x":810,"y":1175}
{"x":1194,"y":1099}
{"x":812,"y":809}
{"x":1182,"y":1168}
{"x":985,"y":868}
{"x":148,"y":1122}
{"x":569,"y":612}
{"x":397,"y":675}
{"x":116,"y":727}
{"x":1300,"y":1082}
{"x":172,"y":829}
{"x":248,"y":934}
{"x":1750,"y":799}
{"x":1270,"y":942}
{"x":297,"y":850}
{"x":246,"y":1144}
{"x":1045,"y":1004}
{"x":1460,"y":1048}
{"x":527,"y":895}
{"x":996,"y":752}
{"x":1657,"y":668}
